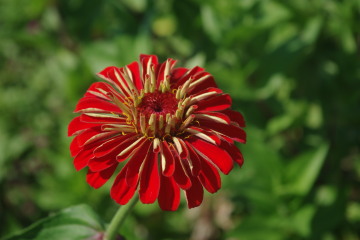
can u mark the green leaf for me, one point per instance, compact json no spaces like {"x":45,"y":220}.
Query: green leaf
{"x":302,"y":218}
{"x":303,"y":171}
{"x":312,"y":30}
{"x":74,"y":223}
{"x":210,"y":23}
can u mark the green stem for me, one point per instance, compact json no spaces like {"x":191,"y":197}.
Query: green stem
{"x":119,"y":219}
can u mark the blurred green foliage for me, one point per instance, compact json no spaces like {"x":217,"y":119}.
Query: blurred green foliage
{"x":292,"y":68}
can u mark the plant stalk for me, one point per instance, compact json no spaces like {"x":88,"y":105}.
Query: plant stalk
{"x":119,"y":218}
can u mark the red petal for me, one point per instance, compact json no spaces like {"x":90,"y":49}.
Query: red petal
{"x":117,"y":143}
{"x":215,"y":103}
{"x":82,"y":158}
{"x":209,"y":176}
{"x":195,"y":194}
{"x":216,"y":154}
{"x":233,"y":151}
{"x":86,"y":153}
{"x":219,"y":115}
{"x":74,"y":147}
{"x":169,"y":195}
{"x":93,"y":135}
{"x":180,"y":176}
{"x":207,"y":90}
{"x":195,"y":160}
{"x":76,"y":125}
{"x":130,"y":148}
{"x":102,"y":120}
{"x":184,"y":151}
{"x":109,"y":74}
{"x":186,"y":76}
{"x":235,"y":117}
{"x":97,"y":179}
{"x":160,"y":74}
{"x":99,"y":90}
{"x":234,"y":132}
{"x":176,"y":74}
{"x":209,"y":133}
{"x":150,"y":179}
{"x":84,"y":136}
{"x":104,"y":90}
{"x":169,"y":168}
{"x":132,"y":175}
{"x":225,"y":138}
{"x":90,"y":104}
{"x":135,"y":73}
{"x":99,"y":164}
{"x":120,"y":191}
{"x":209,"y":82}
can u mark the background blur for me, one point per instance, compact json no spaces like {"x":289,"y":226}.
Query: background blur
{"x":292,"y":68}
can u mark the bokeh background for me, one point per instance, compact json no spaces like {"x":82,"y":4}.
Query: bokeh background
{"x":291,"y":67}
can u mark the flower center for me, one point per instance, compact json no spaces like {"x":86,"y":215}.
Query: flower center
{"x":158,"y":103}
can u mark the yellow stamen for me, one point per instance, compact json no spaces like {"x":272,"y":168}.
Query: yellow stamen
{"x":187,"y":121}
{"x":185,"y":87}
{"x":190,"y":110}
{"x":142,"y":123}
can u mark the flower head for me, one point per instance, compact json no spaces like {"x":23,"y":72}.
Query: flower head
{"x":169,"y":129}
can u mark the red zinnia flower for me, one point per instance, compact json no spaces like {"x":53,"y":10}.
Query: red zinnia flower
{"x":172,"y":126}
